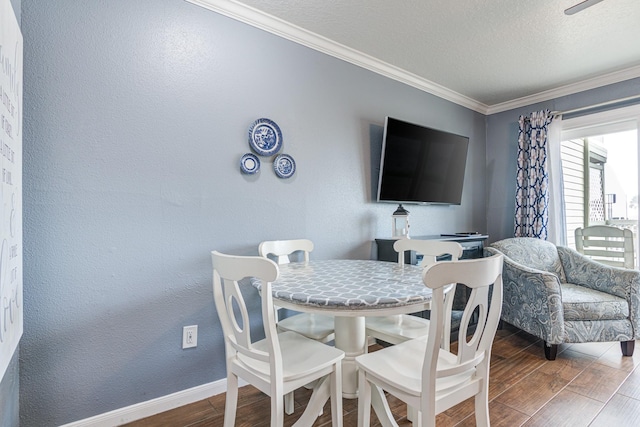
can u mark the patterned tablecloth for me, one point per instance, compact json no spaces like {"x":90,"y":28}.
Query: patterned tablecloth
{"x":350,"y":284}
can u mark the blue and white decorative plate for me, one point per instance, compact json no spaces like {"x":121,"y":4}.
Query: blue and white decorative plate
{"x":265,"y":137}
{"x":284,"y":166}
{"x":249,"y":163}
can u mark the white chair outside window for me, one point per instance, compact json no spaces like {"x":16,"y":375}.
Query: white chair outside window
{"x":606,"y":244}
{"x":423,"y":374}
{"x":400,"y":328}
{"x":279,"y":363}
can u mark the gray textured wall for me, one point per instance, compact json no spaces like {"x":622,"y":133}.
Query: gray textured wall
{"x":136,"y":114}
{"x":9,"y":392}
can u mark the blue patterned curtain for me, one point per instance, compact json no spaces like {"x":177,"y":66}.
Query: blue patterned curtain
{"x":532,"y":182}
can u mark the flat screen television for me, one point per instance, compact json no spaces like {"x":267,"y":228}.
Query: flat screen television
{"x":420,"y":165}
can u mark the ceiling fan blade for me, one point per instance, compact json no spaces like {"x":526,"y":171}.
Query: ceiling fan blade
{"x":580,"y":6}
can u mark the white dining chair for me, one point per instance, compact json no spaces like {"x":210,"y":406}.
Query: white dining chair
{"x":423,"y":374}
{"x":279,"y":363}
{"x":315,"y":326}
{"x":402,"y":327}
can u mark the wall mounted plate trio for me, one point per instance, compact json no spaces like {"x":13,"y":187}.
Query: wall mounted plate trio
{"x":265,"y":139}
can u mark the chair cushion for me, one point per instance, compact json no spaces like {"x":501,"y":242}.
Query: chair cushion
{"x":582,"y":303}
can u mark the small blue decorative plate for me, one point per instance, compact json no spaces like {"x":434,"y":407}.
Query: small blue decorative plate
{"x":249,"y":163}
{"x":265,"y":137}
{"x":284,"y":166}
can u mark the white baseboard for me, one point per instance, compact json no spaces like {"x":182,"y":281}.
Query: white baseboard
{"x":154,"y":406}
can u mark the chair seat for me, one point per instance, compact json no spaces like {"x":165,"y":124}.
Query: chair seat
{"x":300,"y":356}
{"x":397,"y":329}
{"x":401,"y":366}
{"x":315,"y":326}
{"x":582,"y":303}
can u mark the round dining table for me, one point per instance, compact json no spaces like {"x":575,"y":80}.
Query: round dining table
{"x":351,"y":290}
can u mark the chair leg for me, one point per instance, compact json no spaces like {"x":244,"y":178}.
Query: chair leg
{"x":336,"y":396}
{"x":289,"y":403}
{"x":412,"y":415}
{"x":627,"y":347}
{"x":277,"y":410}
{"x":482,"y":406}
{"x":231,"y":401}
{"x":550,"y":351}
{"x":364,"y":401}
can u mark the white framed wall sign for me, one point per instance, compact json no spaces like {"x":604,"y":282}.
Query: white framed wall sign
{"x":11,"y":320}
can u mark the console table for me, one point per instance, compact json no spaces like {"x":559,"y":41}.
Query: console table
{"x":473,"y":247}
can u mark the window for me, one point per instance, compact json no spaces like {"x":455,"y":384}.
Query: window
{"x":600,"y":170}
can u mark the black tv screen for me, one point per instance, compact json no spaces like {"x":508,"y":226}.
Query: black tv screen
{"x":421,"y":165}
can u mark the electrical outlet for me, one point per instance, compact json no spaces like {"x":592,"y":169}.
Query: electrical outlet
{"x":189,"y":336}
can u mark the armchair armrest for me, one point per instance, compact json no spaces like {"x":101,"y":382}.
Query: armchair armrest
{"x":582,"y":270}
{"x":618,"y":281}
{"x":532,"y":300}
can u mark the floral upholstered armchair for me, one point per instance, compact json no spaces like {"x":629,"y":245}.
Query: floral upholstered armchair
{"x":561,"y":296}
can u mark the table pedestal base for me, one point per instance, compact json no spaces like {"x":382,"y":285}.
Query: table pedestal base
{"x":351,"y":338}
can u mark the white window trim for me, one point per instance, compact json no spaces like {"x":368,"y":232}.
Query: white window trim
{"x":612,"y":121}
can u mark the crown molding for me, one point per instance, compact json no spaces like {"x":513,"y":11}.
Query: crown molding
{"x":256,"y":18}
{"x":595,"y":82}
{"x":279,"y":27}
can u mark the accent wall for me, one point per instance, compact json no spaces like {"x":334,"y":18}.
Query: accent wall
{"x":136,"y":116}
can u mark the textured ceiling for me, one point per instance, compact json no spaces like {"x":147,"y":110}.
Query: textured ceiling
{"x":491,"y":51}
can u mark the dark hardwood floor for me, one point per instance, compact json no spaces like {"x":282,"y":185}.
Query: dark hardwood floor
{"x":587,"y":385}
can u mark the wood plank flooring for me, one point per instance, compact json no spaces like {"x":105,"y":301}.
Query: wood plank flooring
{"x":587,"y":385}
